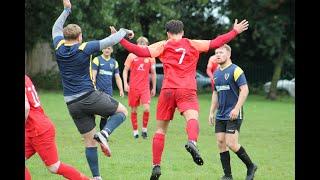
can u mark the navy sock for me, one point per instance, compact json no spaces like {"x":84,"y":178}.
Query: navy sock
{"x":103,"y":123}
{"x":92,"y":158}
{"x":114,"y":121}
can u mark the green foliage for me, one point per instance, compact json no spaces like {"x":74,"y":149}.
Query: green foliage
{"x":47,"y":81}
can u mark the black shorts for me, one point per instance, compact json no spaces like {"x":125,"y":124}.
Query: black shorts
{"x":228,"y":126}
{"x":84,"y":108}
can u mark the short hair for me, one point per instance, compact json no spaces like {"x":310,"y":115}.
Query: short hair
{"x":227,"y":47}
{"x":142,"y":39}
{"x":71,"y":31}
{"x":174,"y":26}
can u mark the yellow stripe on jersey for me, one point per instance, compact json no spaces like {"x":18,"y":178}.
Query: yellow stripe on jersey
{"x":82,"y":46}
{"x":60,"y":43}
{"x":96,"y":61}
{"x":237,"y":72}
{"x":90,"y":71}
{"x":117,"y":65}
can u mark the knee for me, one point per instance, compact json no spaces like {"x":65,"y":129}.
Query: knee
{"x":54,"y":167}
{"x":221,"y":144}
{"x":124,"y":110}
{"x":146,"y":109}
{"x":232,"y":145}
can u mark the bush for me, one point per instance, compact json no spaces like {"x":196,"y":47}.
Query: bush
{"x":47,"y":81}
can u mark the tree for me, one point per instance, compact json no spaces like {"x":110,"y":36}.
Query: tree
{"x":271,"y":32}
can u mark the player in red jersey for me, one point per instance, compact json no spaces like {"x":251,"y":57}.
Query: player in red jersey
{"x":211,"y":67}
{"x":139,"y":88}
{"x":40,"y":137}
{"x":179,"y":57}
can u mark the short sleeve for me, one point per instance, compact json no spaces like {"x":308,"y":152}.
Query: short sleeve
{"x":129,"y":60}
{"x":95,"y":64}
{"x":200,"y":45}
{"x":90,"y":47}
{"x":157,"y":48}
{"x":239,"y":77}
{"x":116,"y":67}
{"x":58,"y":41}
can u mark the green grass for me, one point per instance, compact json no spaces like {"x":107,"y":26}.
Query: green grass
{"x":267,"y":133}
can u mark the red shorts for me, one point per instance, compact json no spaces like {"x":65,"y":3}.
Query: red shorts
{"x":44,"y":145}
{"x":170,"y":99}
{"x":135,"y":97}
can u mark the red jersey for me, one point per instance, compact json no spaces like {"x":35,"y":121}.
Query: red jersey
{"x":139,"y":71}
{"x":179,"y":58}
{"x":212,"y":66}
{"x":37,"y":122}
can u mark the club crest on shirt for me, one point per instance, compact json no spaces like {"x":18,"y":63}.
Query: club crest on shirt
{"x":111,"y":66}
{"x":226,"y":76}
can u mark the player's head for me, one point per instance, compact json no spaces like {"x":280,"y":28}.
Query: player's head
{"x":223,"y":54}
{"x":174,"y":27}
{"x":142,"y":41}
{"x":72,"y":32}
{"x":107,"y":51}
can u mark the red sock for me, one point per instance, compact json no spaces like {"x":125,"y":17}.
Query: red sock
{"x":27,"y":174}
{"x":157,"y":148}
{"x":134,"y":121}
{"x":192,"y":130}
{"x":145,"y":119}
{"x":70,"y":172}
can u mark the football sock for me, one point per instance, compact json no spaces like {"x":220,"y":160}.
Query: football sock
{"x":192,"y":130}
{"x":27,"y":174}
{"x":145,"y":119}
{"x":242,"y":154}
{"x":134,"y":120}
{"x":92,"y":158}
{"x":70,"y":172}
{"x":103,"y":123}
{"x":114,"y":121}
{"x":225,"y":161}
{"x":157,"y":148}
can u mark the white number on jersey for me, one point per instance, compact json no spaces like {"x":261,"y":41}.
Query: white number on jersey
{"x":182,"y":55}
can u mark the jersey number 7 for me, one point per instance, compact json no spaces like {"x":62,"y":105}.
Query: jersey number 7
{"x":182,"y":55}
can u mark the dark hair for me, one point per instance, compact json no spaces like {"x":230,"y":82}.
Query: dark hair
{"x":174,"y":26}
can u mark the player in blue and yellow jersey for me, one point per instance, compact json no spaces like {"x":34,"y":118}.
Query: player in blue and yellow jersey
{"x":83,"y":101}
{"x":229,"y":95}
{"x":104,"y":67}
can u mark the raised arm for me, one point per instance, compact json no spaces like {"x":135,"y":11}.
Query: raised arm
{"x":114,"y":38}
{"x":225,"y":38}
{"x":133,"y":48}
{"x":58,"y":25}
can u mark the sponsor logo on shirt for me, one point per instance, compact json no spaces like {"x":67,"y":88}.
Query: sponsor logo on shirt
{"x":223,"y":88}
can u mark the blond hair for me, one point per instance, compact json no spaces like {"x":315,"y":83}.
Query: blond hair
{"x":142,"y":39}
{"x":71,"y":31}
{"x":227,"y":47}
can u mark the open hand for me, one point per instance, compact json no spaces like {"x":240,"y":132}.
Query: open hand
{"x":66,"y":4}
{"x":112,"y":29}
{"x":242,"y":26}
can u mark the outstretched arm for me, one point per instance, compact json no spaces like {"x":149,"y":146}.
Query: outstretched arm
{"x":114,"y":38}
{"x":225,"y":38}
{"x":58,"y":25}
{"x":133,"y":48}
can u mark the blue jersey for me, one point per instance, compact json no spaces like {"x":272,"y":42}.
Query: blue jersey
{"x":106,"y":68}
{"x":226,"y":83}
{"x":74,"y":65}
